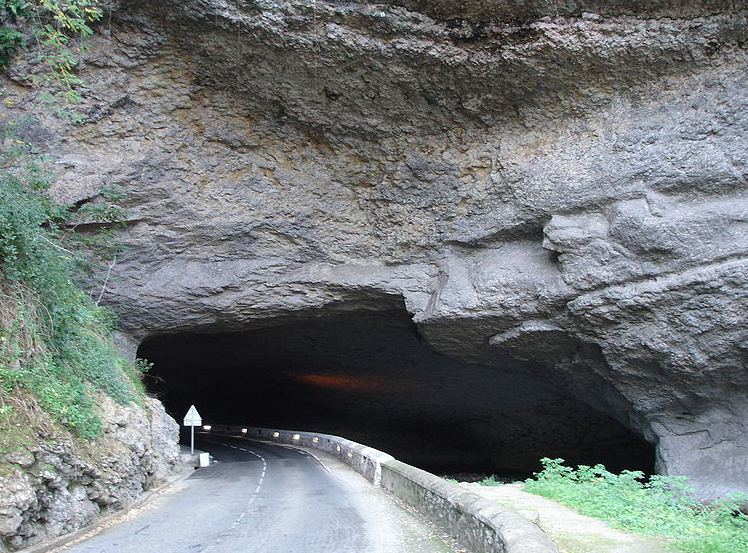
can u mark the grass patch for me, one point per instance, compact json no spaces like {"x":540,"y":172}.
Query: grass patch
{"x":491,"y":481}
{"x":22,"y":424}
{"x":659,"y":506}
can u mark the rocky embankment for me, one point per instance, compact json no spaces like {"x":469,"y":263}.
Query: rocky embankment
{"x":56,"y":484}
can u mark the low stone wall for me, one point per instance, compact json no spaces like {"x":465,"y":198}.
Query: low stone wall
{"x":478,"y":524}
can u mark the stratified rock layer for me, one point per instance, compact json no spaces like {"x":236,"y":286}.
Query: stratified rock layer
{"x":555,"y":187}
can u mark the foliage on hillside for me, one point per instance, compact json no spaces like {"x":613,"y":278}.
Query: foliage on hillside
{"x":55,"y":346}
{"x":54,"y":339}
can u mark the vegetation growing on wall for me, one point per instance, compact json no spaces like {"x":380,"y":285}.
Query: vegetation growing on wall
{"x":55,"y":346}
{"x":660,"y":505}
{"x":57,"y":30}
{"x":54,"y":338}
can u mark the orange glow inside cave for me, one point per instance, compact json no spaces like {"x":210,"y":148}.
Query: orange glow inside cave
{"x":348,"y":382}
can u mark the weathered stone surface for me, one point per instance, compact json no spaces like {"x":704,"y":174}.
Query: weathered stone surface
{"x":59,"y":486}
{"x":18,"y":496}
{"x":20,"y":457}
{"x":562,"y":183}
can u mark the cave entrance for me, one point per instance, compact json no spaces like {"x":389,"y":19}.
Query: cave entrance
{"x":367,"y":377}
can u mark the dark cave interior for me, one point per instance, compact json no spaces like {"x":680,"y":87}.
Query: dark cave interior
{"x":367,"y":377}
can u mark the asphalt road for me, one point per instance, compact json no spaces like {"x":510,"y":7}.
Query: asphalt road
{"x":269,"y":498}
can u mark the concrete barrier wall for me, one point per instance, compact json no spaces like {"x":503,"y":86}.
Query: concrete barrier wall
{"x":480,"y":525}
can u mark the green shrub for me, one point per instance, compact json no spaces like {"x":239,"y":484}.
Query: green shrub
{"x":58,"y":29}
{"x":491,"y":481}
{"x":659,"y":505}
{"x":12,"y":15}
{"x":54,"y":339}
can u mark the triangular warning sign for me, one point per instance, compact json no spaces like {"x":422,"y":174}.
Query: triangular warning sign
{"x":193,"y":418}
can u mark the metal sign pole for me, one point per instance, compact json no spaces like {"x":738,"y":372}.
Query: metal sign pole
{"x":192,"y":419}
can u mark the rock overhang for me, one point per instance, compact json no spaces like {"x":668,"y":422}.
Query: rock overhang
{"x":563,"y":188}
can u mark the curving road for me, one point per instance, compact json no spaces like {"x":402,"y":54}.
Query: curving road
{"x":269,"y":498}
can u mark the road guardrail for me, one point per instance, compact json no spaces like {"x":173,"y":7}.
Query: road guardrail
{"x":480,"y":525}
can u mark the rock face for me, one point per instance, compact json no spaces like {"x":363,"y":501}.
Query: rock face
{"x":555,"y":187}
{"x":56,"y":486}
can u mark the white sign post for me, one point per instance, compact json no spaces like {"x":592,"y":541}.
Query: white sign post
{"x":192,"y":419}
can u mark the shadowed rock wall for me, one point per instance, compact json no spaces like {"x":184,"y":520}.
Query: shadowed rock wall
{"x":552,"y":186}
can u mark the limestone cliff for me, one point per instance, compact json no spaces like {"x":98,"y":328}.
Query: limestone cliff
{"x":52,"y":483}
{"x":555,"y":187}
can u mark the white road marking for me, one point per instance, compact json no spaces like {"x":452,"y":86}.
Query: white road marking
{"x":249,"y":503}
{"x":321,"y":464}
{"x":259,"y":484}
